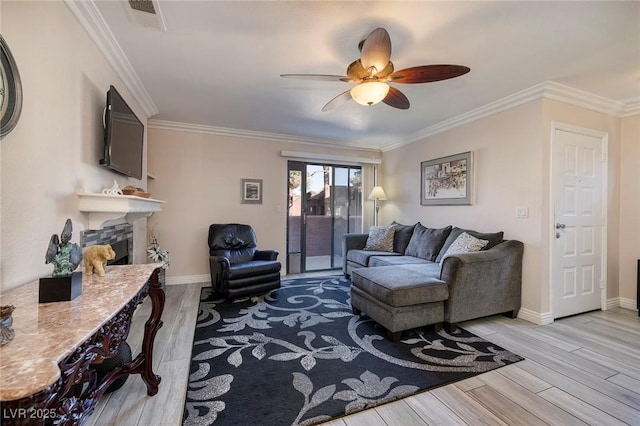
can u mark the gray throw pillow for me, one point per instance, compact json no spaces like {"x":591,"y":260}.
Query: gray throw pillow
{"x":426,"y":243}
{"x":402,"y":236}
{"x":494,"y":239}
{"x":380,"y":238}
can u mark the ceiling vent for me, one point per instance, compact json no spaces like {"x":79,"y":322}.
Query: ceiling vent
{"x":145,"y":13}
{"x":142,"y":6}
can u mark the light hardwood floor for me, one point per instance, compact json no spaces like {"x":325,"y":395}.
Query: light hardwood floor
{"x":578,"y":370}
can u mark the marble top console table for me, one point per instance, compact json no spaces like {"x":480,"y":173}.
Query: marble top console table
{"x":45,"y":374}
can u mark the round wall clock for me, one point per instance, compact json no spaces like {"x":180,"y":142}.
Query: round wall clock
{"x":10,"y":90}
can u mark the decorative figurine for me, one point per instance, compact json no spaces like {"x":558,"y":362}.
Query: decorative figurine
{"x":65,"y":256}
{"x":95,"y":258}
{"x":64,"y":284}
{"x":6,"y":321}
{"x":114,"y":190}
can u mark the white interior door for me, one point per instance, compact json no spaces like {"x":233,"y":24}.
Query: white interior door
{"x":577,"y":264}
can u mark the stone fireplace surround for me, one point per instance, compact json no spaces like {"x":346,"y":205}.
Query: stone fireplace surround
{"x":120,"y":237}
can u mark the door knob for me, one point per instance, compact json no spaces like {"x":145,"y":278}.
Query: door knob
{"x":560,"y":225}
{"x":558,"y":235}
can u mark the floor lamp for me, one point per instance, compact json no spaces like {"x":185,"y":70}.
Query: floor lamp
{"x":377,"y":194}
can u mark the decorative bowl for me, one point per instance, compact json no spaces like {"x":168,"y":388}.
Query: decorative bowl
{"x":6,"y":322}
{"x":142,"y":194}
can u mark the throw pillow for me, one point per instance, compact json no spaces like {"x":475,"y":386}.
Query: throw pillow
{"x":465,"y":243}
{"x":380,"y":238}
{"x":493,"y":238}
{"x":402,"y":236}
{"x":426,"y":242}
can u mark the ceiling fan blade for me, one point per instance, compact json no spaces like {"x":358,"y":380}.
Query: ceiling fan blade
{"x":428,"y":73}
{"x":317,"y":77}
{"x":376,"y":50}
{"x":396,"y":99}
{"x":337,"y":101}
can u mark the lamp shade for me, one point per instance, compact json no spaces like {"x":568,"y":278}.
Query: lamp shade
{"x":370,"y":92}
{"x":377,"y":193}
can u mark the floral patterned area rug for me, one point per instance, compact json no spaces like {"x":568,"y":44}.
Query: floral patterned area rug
{"x":298,"y":356}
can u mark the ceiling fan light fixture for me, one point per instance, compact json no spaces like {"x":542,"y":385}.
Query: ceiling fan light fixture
{"x":370,"y":92}
{"x":374,"y":68}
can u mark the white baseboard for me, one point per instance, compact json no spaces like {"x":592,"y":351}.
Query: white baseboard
{"x":625,"y":303}
{"x":622,"y":302}
{"x":613,"y":303}
{"x":189,"y":279}
{"x":542,"y":318}
{"x":628,"y":303}
{"x":539,"y":318}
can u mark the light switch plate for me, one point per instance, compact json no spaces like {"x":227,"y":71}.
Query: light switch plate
{"x":522,"y":212}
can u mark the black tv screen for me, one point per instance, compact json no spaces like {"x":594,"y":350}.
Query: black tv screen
{"x":124,"y":137}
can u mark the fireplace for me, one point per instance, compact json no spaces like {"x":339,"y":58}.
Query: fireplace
{"x":121,"y":248}
{"x":119,"y":236}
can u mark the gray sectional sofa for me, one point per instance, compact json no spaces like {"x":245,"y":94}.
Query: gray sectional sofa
{"x":413,"y":284}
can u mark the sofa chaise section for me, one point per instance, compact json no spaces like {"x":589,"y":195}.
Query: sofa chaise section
{"x":479,"y":283}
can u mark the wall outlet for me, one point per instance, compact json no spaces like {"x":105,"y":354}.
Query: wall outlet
{"x":522,"y":212}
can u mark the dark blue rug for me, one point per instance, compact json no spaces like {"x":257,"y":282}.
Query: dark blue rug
{"x":298,"y":356}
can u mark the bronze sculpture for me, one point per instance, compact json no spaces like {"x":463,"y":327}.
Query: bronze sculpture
{"x":64,"y":256}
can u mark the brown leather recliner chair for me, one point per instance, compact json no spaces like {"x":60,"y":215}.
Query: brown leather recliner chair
{"x":238,"y":268}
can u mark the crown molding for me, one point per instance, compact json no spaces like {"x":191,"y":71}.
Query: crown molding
{"x":633,"y":108}
{"x":494,"y":107}
{"x":335,"y":159}
{"x":250,"y":134}
{"x":90,"y":18}
{"x":583,"y":99}
{"x":548,"y":90}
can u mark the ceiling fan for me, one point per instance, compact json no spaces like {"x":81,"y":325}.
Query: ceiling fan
{"x":374,"y":70}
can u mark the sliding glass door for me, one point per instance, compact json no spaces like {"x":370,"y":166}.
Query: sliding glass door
{"x":325,"y":202}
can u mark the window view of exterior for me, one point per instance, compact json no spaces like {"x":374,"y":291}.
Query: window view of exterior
{"x":325,"y":202}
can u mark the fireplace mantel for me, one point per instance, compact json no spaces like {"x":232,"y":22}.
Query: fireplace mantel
{"x":102,"y":208}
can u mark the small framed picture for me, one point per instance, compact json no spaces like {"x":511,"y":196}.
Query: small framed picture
{"x":251,"y":191}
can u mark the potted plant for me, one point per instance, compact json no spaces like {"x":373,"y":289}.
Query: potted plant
{"x":158,"y":254}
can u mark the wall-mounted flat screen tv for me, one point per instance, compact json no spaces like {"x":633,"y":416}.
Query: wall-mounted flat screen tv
{"x":123,"y":137}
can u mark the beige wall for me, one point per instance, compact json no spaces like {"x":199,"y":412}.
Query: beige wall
{"x":629,"y":210}
{"x":199,"y":175}
{"x":508,"y":174}
{"x":54,"y":150}
{"x":511,"y":157}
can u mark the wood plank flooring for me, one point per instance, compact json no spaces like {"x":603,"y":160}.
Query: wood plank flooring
{"x":579,"y":370}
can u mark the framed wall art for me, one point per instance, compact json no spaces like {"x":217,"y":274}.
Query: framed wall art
{"x":10,"y":90}
{"x":447,"y":180}
{"x":251,"y":191}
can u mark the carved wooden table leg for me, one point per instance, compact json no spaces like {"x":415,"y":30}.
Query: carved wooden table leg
{"x":143,"y":363}
{"x":71,"y":398}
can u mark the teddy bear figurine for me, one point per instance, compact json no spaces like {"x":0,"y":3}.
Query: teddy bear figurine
{"x":95,"y":258}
